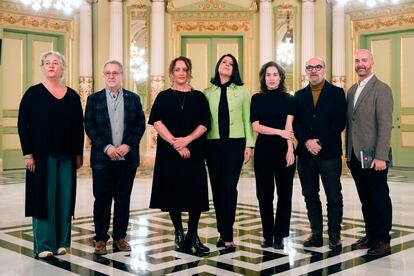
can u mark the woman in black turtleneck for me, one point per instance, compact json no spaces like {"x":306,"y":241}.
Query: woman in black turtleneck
{"x":272,"y":113}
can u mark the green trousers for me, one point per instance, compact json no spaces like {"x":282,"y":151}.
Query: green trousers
{"x":54,"y":232}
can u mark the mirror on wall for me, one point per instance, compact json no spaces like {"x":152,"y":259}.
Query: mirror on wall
{"x":139,"y":54}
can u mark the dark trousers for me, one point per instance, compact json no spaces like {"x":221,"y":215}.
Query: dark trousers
{"x":113,"y":182}
{"x":55,"y":231}
{"x":374,"y":195}
{"x":224,"y":161}
{"x":270,"y":168}
{"x":329,"y":170}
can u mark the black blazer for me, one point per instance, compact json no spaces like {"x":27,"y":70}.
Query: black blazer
{"x":98,"y":127}
{"x":325,"y":122}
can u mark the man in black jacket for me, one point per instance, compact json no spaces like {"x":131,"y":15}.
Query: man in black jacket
{"x":115,"y":123}
{"x":319,"y":121}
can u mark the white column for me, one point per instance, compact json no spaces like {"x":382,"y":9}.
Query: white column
{"x":156,"y":69}
{"x":157,"y":47}
{"x":266,"y":31}
{"x":115,"y":30}
{"x":308,"y":35}
{"x":85,"y":62}
{"x":85,"y":51}
{"x":338,"y":44}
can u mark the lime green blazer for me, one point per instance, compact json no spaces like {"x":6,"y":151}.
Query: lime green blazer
{"x":239,"y":109}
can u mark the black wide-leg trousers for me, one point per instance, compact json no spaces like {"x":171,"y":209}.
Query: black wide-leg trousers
{"x":224,"y":161}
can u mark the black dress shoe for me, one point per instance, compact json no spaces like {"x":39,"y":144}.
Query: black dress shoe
{"x":278,"y":243}
{"x":364,"y":243}
{"x":220,"y":243}
{"x":180,"y":244}
{"x":335,"y":242}
{"x":266,"y":243}
{"x":193,"y":240}
{"x":314,"y":240}
{"x":379,"y":249}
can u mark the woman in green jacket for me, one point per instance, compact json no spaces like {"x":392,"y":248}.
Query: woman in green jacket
{"x":229,"y":142}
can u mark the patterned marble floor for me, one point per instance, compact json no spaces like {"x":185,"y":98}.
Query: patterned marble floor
{"x":151,"y":236}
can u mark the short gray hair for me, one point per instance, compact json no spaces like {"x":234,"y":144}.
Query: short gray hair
{"x":115,"y":62}
{"x":61,"y":58}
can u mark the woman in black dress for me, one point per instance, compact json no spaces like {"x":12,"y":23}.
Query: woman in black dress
{"x":50,"y":128}
{"x":272,"y":113}
{"x":181,"y":117}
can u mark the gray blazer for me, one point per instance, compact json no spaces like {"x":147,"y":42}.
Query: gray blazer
{"x":369,"y":123}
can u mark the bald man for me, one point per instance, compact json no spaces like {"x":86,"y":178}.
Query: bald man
{"x":319,"y":121}
{"x":369,"y":123}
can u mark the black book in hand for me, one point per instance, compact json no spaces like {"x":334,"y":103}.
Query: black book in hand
{"x":367,"y":156}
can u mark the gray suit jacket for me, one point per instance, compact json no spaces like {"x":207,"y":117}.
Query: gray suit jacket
{"x":369,"y":123}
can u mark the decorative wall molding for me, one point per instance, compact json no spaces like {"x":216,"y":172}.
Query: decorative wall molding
{"x":157,"y":85}
{"x":220,"y":15}
{"x":212,"y":5}
{"x":36,"y":22}
{"x":339,"y":81}
{"x":85,"y":88}
{"x":358,"y":13}
{"x":391,"y":21}
{"x":211,"y":26}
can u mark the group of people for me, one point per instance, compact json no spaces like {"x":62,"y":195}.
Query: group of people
{"x":214,"y":128}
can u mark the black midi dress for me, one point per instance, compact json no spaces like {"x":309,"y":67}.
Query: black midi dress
{"x":180,"y":184}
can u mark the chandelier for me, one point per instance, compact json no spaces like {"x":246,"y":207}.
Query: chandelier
{"x":369,"y":3}
{"x":67,"y":6}
{"x":137,"y":63}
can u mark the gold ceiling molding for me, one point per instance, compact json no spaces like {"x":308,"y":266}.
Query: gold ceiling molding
{"x":212,"y":26}
{"x":211,"y":5}
{"x":225,"y":15}
{"x":401,"y":9}
{"x":139,"y":5}
{"x":36,"y":22}
{"x":392,"y":21}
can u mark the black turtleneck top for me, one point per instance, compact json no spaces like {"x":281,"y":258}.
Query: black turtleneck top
{"x":223,"y":112}
{"x":271,"y":109}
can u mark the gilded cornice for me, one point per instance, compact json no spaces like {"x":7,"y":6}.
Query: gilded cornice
{"x":139,"y":13}
{"x":223,"y":15}
{"x":253,"y":6}
{"x":36,"y":22}
{"x":212,"y":26}
{"x":380,"y":11}
{"x":211,"y":5}
{"x":392,"y":21}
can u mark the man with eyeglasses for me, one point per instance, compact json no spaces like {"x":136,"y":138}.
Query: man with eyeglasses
{"x":319,"y":121}
{"x":115,"y":123}
{"x":369,"y":125}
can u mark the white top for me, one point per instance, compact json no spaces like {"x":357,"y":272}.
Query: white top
{"x":360,"y":87}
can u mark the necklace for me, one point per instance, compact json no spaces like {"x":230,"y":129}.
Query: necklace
{"x":181,"y":101}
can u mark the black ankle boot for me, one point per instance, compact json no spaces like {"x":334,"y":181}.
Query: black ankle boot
{"x":180,"y":244}
{"x":193,"y":240}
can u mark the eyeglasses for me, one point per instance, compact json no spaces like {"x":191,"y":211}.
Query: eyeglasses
{"x":48,"y":63}
{"x":316,"y":67}
{"x":114,"y":73}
